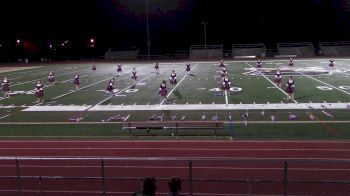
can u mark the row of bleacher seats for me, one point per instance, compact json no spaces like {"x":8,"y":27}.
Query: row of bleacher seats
{"x":298,"y":49}
{"x":301,"y":49}
{"x":248,"y":50}
{"x":206,"y":51}
{"x":341,"y":48}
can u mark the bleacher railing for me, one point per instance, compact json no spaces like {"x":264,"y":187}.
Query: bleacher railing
{"x":258,"y":45}
{"x":200,"y":176}
{"x":248,"y":50}
{"x":296,"y":44}
{"x":339,"y":43}
{"x":206,"y":51}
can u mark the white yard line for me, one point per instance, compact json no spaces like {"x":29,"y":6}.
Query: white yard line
{"x":80,"y":89}
{"x":123,"y":90}
{"x":270,"y":106}
{"x":323,"y":82}
{"x":172,"y":90}
{"x":226,"y":99}
{"x":271,"y":82}
{"x":17,"y":84}
{"x":344,"y":73}
{"x":44,"y":71}
{"x":72,"y":79}
{"x":5,"y":116}
{"x":14,"y":78}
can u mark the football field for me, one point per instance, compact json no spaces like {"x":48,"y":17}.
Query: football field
{"x":321,"y":105}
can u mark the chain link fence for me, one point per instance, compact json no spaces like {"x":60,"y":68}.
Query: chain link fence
{"x":211,"y":176}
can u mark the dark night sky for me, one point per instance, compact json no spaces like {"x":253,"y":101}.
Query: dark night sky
{"x":174,"y":24}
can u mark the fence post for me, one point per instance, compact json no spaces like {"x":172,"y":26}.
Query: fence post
{"x":250,"y":187}
{"x":176,"y":125}
{"x":103,"y":177}
{"x":40,"y":186}
{"x":141,"y":183}
{"x":18,"y":178}
{"x":130,"y":129}
{"x":285,"y":181}
{"x":190,"y":177}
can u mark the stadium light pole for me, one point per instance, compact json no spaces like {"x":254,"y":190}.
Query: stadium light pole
{"x":148,"y":41}
{"x":205,"y":36}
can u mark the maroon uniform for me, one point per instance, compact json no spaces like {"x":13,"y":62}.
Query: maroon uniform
{"x":278,"y":72}
{"x":258,"y":64}
{"x":173,"y":80}
{"x":76,"y":79}
{"x":226,"y":84}
{"x":5,"y":85}
{"x":223,"y":72}
{"x":222,"y":63}
{"x":94,"y":67}
{"x":39,"y":90}
{"x":110,"y":86}
{"x":162,"y":90}
{"x":278,"y":79}
{"x":156,"y":66}
{"x":291,"y":62}
{"x":290,"y":86}
{"x":188,"y":67}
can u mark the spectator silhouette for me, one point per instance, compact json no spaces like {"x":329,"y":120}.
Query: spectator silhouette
{"x":149,"y":188}
{"x":174,"y":186}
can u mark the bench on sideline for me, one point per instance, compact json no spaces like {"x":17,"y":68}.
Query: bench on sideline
{"x":173,"y":125}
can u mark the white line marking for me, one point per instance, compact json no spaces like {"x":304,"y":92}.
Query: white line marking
{"x":5,"y":116}
{"x":79,"y":89}
{"x":226,"y":99}
{"x":274,"y":106}
{"x":323,"y":82}
{"x":270,"y":81}
{"x":72,"y":79}
{"x":122,"y":90}
{"x":178,"y":84}
{"x":17,"y":84}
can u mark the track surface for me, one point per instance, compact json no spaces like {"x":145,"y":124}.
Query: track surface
{"x":144,"y":160}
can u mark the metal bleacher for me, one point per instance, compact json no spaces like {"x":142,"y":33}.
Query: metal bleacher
{"x":206,"y":52}
{"x":341,"y":48}
{"x":248,"y":50}
{"x":111,"y":54}
{"x":298,"y":49}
